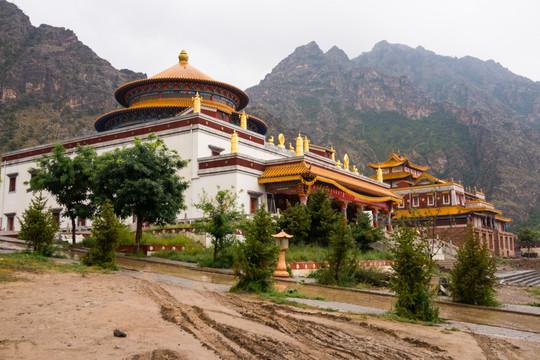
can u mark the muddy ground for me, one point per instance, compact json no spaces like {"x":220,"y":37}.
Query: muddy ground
{"x":67,"y":316}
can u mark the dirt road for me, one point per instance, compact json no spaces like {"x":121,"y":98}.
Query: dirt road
{"x":66,"y":316}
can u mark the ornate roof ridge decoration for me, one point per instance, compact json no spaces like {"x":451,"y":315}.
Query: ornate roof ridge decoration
{"x":119,"y":94}
{"x":306,"y":172}
{"x":397,"y":160}
{"x":431,"y":178}
{"x":443,"y":211}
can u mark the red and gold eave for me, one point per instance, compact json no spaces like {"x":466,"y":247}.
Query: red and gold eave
{"x":340,"y":185}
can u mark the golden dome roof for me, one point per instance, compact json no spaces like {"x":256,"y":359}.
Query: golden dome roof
{"x":182,"y":70}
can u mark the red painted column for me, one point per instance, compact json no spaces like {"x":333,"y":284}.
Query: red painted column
{"x":375,"y":220}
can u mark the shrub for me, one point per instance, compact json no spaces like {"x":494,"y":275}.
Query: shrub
{"x":256,"y":254}
{"x":371,"y":276}
{"x":106,"y":230}
{"x":412,"y":276}
{"x":473,"y":275}
{"x":342,"y":263}
{"x":38,"y":226}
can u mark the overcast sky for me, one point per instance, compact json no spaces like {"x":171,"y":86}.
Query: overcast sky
{"x":239,"y":42}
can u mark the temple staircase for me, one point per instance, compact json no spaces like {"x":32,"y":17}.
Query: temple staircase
{"x":519,"y":278}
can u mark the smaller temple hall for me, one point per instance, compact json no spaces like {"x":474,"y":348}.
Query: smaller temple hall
{"x":447,"y":205}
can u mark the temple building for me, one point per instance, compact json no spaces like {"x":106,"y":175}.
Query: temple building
{"x":447,"y":206}
{"x":205,"y":122}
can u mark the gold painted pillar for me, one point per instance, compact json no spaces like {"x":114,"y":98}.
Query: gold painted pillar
{"x":234,"y":142}
{"x":243,"y":120}
{"x":299,"y":146}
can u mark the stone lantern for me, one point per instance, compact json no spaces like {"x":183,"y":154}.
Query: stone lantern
{"x":282,"y":239}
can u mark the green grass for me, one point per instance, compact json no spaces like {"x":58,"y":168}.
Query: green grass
{"x":33,"y":263}
{"x":301,"y":253}
{"x":280,"y":297}
{"x":535,"y":290}
{"x":394,"y":317}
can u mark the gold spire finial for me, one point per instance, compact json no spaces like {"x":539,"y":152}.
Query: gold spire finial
{"x":333,"y":153}
{"x":271,"y":140}
{"x":299,"y":145}
{"x":243,"y":120}
{"x":234,"y":142}
{"x":346,"y":162}
{"x":183,"y":57}
{"x":281,"y":141}
{"x":379,"y":175}
{"x":306,"y":144}
{"x":196,"y":104}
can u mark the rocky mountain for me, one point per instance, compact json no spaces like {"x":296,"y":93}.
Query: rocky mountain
{"x":51,"y":85}
{"x":468,"y":119}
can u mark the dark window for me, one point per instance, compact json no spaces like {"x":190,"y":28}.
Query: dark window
{"x":253,"y":204}
{"x":12,"y":183}
{"x":56,"y":215}
{"x":11,"y":222}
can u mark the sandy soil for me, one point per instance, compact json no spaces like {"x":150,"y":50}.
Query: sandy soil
{"x":66,"y":316}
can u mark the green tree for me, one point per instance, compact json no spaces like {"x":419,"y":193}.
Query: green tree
{"x":412,"y":276}
{"x":221,"y":218}
{"x":473,"y":278}
{"x":142,"y":180}
{"x":363,"y":232}
{"x":528,"y":236}
{"x":256,"y":253}
{"x":323,"y":217}
{"x":342,"y":262}
{"x":38,"y":226}
{"x":68,"y":180}
{"x":295,"y":220}
{"x":106,"y":229}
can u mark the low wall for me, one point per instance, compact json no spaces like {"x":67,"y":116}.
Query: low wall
{"x":150,"y":249}
{"x":307,"y":267}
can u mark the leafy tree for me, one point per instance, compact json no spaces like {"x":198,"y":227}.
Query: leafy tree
{"x":412,"y":276}
{"x":256,"y":253}
{"x":38,"y":226}
{"x":142,"y":180}
{"x":221,"y":218}
{"x":473,"y":275}
{"x":528,"y":236}
{"x":363,"y":232}
{"x":323,"y":217}
{"x":68,"y":180}
{"x":107,"y":230}
{"x":341,"y":258}
{"x":295,"y":220}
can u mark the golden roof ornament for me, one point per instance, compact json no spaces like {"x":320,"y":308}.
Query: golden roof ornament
{"x":243,"y":120}
{"x":271,"y":140}
{"x":379,"y":175}
{"x":281,"y":141}
{"x":346,"y":162}
{"x":291,"y":147}
{"x":299,"y":146}
{"x":234,"y":142}
{"x":354,"y":169}
{"x":338,"y":164}
{"x":196,"y":104}
{"x":306,"y":144}
{"x":183,"y":57}
{"x":333,"y":153}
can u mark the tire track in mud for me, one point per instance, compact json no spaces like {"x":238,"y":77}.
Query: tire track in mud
{"x":226,"y":341}
{"x":340,"y":343}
